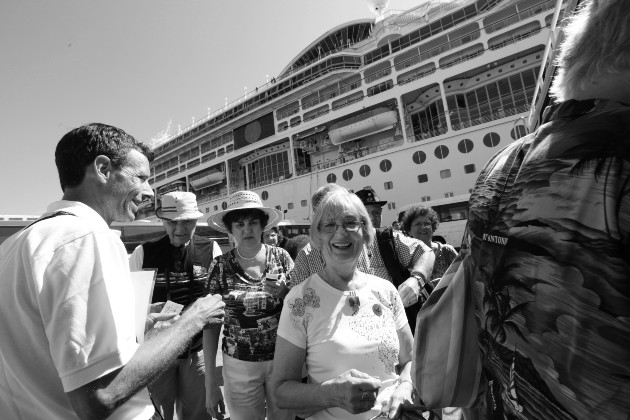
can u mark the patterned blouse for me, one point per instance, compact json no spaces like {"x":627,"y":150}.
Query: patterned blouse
{"x":444,"y":256}
{"x":251,"y":314}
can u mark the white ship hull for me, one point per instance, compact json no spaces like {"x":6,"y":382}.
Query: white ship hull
{"x":437,"y":109}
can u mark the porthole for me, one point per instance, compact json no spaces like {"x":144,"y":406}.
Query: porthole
{"x":224,"y":205}
{"x":518,"y":132}
{"x":500,"y":70}
{"x":491,"y":139}
{"x":419,"y":157}
{"x":441,"y":152}
{"x":347,"y":175}
{"x":385,"y":165}
{"x":465,"y":146}
{"x":511,"y":66}
{"x":331,"y":178}
{"x":264,"y":195}
{"x":364,"y":170}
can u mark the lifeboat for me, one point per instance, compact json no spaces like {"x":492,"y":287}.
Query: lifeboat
{"x":371,"y":122}
{"x":208,"y":179}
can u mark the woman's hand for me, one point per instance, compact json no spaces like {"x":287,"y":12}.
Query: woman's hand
{"x":277,"y":288}
{"x":357,"y":390}
{"x":401,"y":395}
{"x":155,"y":316}
{"x":214,"y":400}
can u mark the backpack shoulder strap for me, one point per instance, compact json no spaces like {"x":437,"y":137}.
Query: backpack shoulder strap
{"x":50,"y":216}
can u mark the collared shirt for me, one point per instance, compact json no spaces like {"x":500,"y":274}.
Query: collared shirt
{"x":66,"y":314}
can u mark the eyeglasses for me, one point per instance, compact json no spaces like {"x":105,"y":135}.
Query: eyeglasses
{"x":423,"y":224}
{"x":349,"y":226}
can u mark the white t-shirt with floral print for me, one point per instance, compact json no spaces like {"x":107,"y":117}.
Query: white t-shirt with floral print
{"x":337,"y":337}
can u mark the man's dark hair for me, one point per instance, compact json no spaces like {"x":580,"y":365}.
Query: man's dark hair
{"x":79,"y":147}
{"x":244,"y":214}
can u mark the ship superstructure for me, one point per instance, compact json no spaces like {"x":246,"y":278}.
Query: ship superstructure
{"x":411,"y":103}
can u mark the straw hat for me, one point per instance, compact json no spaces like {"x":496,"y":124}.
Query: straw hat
{"x":178,"y":205}
{"x":242,"y":200}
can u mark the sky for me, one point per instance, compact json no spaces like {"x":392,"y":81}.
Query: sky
{"x":136,"y":65}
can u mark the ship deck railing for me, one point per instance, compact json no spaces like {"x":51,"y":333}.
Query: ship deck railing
{"x":519,"y":16}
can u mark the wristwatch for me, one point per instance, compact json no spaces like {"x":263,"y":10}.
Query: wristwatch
{"x":425,"y":287}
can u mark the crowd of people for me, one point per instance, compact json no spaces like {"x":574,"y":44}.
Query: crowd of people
{"x":325,"y":329}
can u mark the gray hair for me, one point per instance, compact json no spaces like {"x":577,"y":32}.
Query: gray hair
{"x":336,"y":203}
{"x":596,"y":44}
{"x":322,"y":192}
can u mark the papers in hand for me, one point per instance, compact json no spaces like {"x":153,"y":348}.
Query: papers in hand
{"x":169,"y":307}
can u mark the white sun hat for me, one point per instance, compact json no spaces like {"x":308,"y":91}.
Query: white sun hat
{"x":243,"y":200}
{"x":178,"y":205}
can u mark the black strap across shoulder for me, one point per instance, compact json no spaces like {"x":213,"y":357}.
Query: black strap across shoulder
{"x":50,"y":216}
{"x":387,"y":247}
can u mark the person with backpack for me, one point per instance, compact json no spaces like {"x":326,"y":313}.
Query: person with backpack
{"x":405,"y":261}
{"x":182,"y":260}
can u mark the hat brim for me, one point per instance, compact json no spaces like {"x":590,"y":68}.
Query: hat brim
{"x":194,"y":215}
{"x":216,"y":220}
{"x":378,"y":203}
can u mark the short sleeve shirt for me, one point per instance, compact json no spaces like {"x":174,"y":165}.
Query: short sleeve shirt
{"x":251,"y":314}
{"x":337,"y":336}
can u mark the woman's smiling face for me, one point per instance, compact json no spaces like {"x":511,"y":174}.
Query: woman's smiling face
{"x":345,"y":243}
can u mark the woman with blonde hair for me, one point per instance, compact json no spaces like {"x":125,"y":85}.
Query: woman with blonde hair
{"x":349,"y":327}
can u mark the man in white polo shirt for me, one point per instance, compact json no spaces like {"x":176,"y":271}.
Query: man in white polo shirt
{"x":68,"y":348}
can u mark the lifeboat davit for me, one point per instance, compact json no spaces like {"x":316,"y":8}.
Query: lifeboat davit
{"x":371,"y":122}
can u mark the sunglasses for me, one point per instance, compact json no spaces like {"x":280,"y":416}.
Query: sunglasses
{"x":354,"y":302}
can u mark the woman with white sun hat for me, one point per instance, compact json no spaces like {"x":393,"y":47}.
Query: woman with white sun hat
{"x":252,"y":278}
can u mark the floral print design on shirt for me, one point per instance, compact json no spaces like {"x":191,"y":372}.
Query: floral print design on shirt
{"x":379,"y":328}
{"x":299,"y":317}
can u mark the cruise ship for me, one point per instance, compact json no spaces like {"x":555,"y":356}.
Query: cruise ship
{"x":410,"y":103}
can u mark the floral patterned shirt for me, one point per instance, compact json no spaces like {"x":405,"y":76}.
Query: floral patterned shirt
{"x":549,"y":238}
{"x":251,"y":314}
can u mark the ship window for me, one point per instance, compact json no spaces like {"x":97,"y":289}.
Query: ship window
{"x":469,"y":169}
{"x":304,"y":203}
{"x":448,"y":194}
{"x":265,"y":195}
{"x":426,"y":198}
{"x":278,"y":208}
{"x":290,"y":206}
{"x":465,"y":146}
{"x":207,"y":209}
{"x":445,"y":173}
{"x":347,"y":174}
{"x":389,"y":185}
{"x":518,"y":132}
{"x":419,"y":157}
{"x":423,"y":178}
{"x":491,"y":139}
{"x":441,"y":152}
{"x":385,"y":165}
{"x":364,"y":170}
{"x":224,"y":205}
{"x":331,"y":178}
{"x":391,"y":206}
{"x":216,"y":208}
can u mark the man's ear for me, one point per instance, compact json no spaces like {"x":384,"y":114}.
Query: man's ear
{"x":102,"y":168}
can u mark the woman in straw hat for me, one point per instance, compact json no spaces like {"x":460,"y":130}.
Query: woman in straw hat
{"x":252,"y":278}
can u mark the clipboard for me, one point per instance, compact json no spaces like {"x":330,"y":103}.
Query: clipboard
{"x":142,"y":282}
